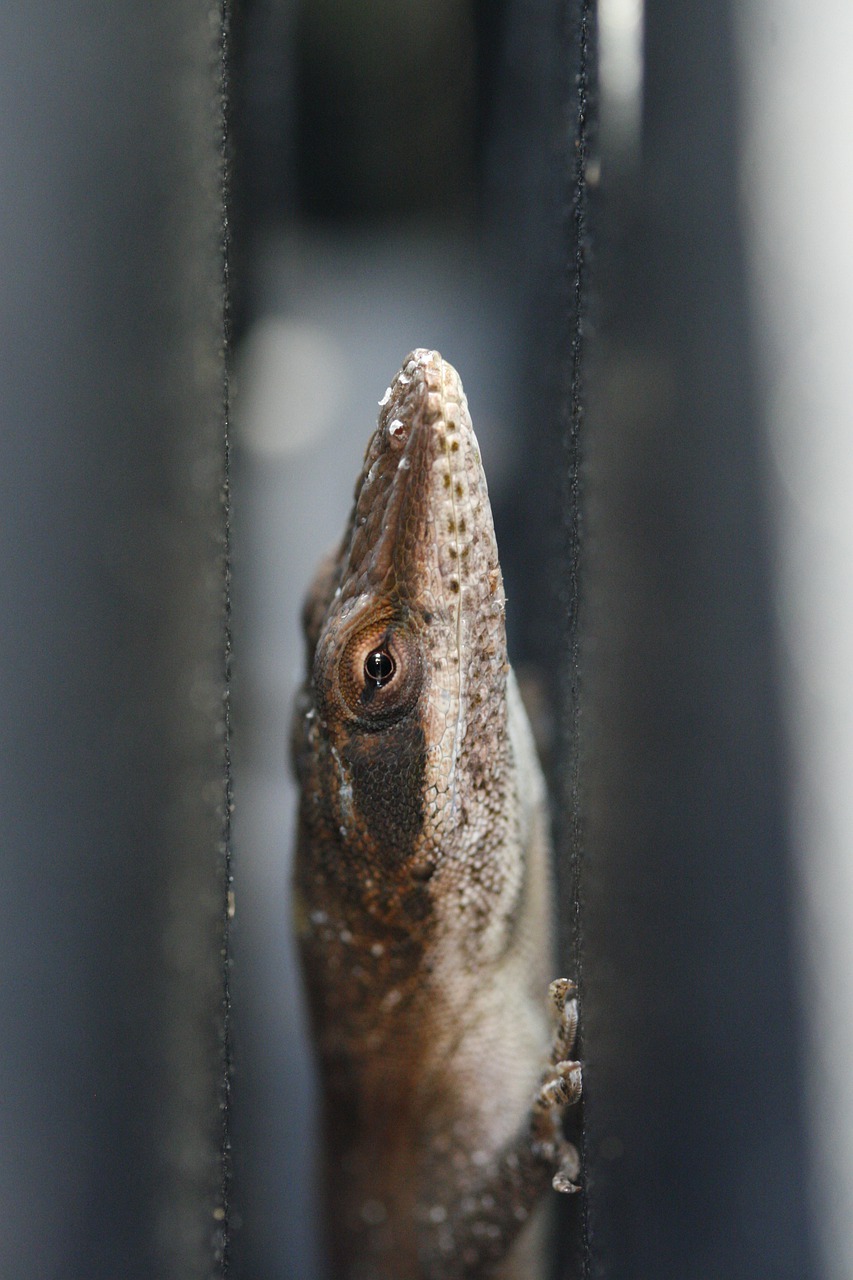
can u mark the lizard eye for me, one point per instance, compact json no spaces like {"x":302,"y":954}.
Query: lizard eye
{"x":379,"y":668}
{"x":375,"y":674}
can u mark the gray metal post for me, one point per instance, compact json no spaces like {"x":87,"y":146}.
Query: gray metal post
{"x":695,"y":1133}
{"x":111,"y":615}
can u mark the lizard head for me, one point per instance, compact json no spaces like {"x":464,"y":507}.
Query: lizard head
{"x":406,"y":724}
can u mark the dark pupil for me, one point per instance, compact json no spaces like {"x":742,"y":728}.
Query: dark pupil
{"x":379,"y":667}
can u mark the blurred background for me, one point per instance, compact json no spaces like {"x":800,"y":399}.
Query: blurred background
{"x":628,"y":226}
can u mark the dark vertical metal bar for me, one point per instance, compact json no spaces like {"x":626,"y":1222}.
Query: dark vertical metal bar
{"x":538,"y":198}
{"x":694,"y":1110}
{"x":111,"y":745}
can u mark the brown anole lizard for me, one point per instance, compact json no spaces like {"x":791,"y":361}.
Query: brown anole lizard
{"x":422,"y":878}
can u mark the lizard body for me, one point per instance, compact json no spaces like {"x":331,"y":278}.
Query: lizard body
{"x":422,"y":876}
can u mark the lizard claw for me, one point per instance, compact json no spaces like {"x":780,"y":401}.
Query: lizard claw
{"x":561,"y":1087}
{"x":566,"y":1086}
{"x":560,"y":990}
{"x":565,"y":1179}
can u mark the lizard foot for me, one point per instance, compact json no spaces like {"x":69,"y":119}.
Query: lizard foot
{"x":561,"y":1087}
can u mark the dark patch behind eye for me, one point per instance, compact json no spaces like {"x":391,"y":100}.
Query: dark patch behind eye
{"x":387,"y":771}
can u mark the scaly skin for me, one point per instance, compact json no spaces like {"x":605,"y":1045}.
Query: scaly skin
{"x":422,"y":874}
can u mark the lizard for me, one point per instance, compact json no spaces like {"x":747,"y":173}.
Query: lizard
{"x":422,"y":883}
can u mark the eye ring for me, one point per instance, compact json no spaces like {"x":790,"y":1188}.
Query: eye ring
{"x":373,"y":673}
{"x":379,"y":668}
